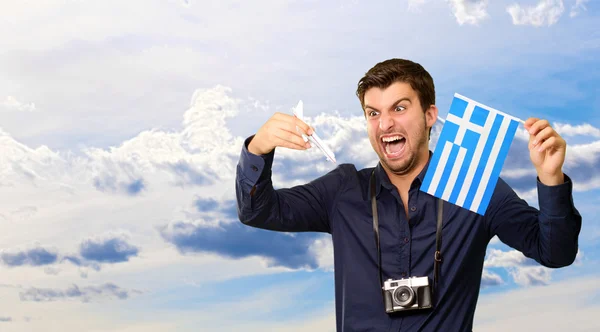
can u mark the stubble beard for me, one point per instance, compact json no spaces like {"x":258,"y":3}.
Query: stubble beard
{"x":405,"y":166}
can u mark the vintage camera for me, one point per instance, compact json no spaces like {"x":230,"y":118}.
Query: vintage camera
{"x":407,"y":294}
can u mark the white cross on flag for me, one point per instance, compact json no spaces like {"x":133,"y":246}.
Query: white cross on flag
{"x":469,"y":154}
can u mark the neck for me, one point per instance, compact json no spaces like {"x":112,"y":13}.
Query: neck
{"x":403,"y":181}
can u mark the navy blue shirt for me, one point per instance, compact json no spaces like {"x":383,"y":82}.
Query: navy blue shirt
{"x":339,"y":203}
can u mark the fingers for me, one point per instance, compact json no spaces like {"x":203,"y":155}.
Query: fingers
{"x":281,"y":130}
{"x":287,"y":133}
{"x":536,"y":125}
{"x":542,"y":135}
{"x":292,"y":126}
{"x":549,"y":144}
{"x":292,"y":122}
{"x":292,"y":144}
{"x":529,"y":122}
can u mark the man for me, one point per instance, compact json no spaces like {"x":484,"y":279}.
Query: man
{"x":398,"y":99}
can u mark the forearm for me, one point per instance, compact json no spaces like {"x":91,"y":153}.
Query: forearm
{"x":257,"y":204}
{"x":254,"y":190}
{"x":560,"y":223}
{"x":548,"y":235}
{"x":297,"y":209}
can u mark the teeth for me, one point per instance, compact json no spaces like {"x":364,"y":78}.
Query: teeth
{"x":391,"y":138}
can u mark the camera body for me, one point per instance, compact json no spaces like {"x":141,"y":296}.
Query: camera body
{"x":407,"y":294}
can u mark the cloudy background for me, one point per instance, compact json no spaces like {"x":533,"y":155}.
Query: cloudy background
{"x":121,"y":124}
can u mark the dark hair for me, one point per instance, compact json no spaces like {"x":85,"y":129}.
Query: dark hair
{"x":385,"y":73}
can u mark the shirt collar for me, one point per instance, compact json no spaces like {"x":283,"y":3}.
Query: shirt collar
{"x":382,"y":179}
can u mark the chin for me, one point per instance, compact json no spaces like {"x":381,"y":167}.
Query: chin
{"x":400,"y":165}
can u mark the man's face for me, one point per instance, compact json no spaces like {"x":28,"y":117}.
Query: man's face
{"x":397,"y":126}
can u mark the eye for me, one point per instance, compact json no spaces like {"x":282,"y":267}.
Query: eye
{"x":372,"y":113}
{"x":400,"y":108}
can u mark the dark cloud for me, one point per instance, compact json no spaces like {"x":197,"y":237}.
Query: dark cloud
{"x":85,"y":294}
{"x":235,"y":240}
{"x":106,"y":183}
{"x":81,"y":262}
{"x":109,"y":183}
{"x":108,"y":250}
{"x":228,"y":209}
{"x":92,"y":253}
{"x":187,"y":174}
{"x":135,"y":187}
{"x":34,"y":257}
{"x":206,"y":204}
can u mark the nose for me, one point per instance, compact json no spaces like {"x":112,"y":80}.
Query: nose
{"x":386,"y":122}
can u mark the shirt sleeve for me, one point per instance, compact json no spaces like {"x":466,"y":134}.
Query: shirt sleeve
{"x":548,"y":235}
{"x":302,"y":208}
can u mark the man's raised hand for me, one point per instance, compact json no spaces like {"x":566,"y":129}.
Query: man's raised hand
{"x":280,"y":131}
{"x":547,"y":150}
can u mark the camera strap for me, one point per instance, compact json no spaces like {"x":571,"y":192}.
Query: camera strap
{"x":437,"y":259}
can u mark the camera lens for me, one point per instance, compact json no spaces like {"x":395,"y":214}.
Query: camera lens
{"x":404,"y":296}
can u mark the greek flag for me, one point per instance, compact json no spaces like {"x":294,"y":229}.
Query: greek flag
{"x":469,"y":154}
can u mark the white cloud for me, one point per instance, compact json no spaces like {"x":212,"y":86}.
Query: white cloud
{"x":495,"y":240}
{"x":499,"y":258}
{"x":84,"y":294}
{"x":469,"y":11}
{"x":62,"y":205}
{"x":530,"y":195}
{"x":489,"y":279}
{"x":546,"y":12}
{"x":515,"y":173}
{"x":203,"y":154}
{"x":415,"y":4}
{"x":524,"y":271}
{"x":577,"y":7}
{"x":541,"y":309}
{"x":565,"y":129}
{"x":204,"y":140}
{"x":12,"y":104}
{"x":253,"y":311}
{"x":48,"y":61}
{"x":578,"y":154}
{"x":323,"y":250}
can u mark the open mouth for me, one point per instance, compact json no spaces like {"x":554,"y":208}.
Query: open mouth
{"x":393,"y":145}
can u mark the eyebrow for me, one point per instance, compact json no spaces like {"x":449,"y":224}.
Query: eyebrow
{"x":394,"y":104}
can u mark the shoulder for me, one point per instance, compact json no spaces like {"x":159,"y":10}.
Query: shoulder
{"x":348,"y":174}
{"x":342,"y":172}
{"x":502,"y":187}
{"x":502,"y":192}
{"x":504,"y":197}
{"x":351,"y":172}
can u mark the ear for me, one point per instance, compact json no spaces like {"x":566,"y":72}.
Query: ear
{"x":431,"y":115}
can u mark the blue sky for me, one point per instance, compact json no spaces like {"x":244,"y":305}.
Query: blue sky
{"x":121,"y":125}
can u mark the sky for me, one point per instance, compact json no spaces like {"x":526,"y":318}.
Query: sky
{"x":122,"y":122}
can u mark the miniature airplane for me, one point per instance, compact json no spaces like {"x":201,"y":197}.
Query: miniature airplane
{"x":314,"y":138}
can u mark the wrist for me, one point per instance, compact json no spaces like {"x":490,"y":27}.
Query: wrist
{"x":255,"y":148}
{"x":551,"y":179}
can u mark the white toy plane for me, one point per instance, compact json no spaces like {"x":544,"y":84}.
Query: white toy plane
{"x":314,"y":138}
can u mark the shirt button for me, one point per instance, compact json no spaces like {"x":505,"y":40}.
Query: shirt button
{"x":254,"y":168}
{"x":403,"y":274}
{"x":405,"y":240}
{"x":413,"y":208}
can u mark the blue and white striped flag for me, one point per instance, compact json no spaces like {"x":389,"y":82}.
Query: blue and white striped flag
{"x":469,"y":154}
